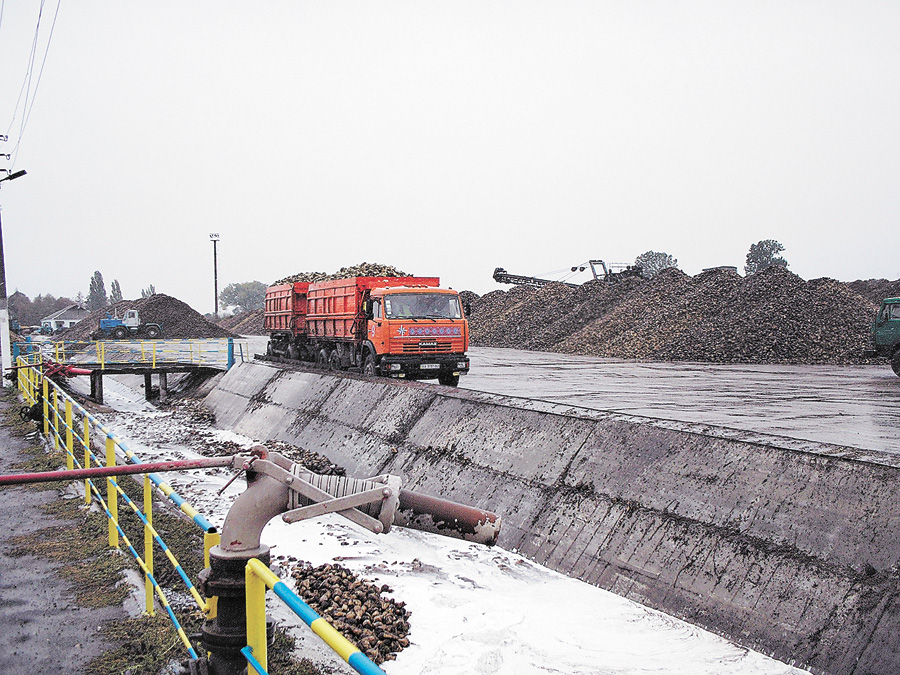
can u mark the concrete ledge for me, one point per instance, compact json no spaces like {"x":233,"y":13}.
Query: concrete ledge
{"x":784,"y":546}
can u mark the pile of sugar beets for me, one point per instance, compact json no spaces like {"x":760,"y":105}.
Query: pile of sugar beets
{"x":773,"y":316}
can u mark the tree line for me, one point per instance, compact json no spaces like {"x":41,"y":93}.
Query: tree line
{"x":29,"y":312}
{"x":763,"y":254}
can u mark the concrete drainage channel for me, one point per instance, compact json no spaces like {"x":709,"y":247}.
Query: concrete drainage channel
{"x":791,"y":551}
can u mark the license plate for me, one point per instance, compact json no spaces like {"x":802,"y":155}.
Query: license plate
{"x":430,"y":366}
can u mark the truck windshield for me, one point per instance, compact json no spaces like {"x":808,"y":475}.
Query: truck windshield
{"x":421,"y":306}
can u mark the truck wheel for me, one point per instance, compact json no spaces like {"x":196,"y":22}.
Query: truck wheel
{"x":293,"y":353}
{"x":449,"y":380}
{"x":322,"y":358}
{"x":152,"y":332}
{"x":334,"y":361}
{"x":895,"y":363}
{"x":368,"y":368}
{"x":120,"y":333}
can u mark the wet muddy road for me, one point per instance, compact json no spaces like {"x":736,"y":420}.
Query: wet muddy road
{"x":856,"y":406}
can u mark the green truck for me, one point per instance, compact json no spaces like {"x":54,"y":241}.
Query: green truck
{"x":886,"y":332}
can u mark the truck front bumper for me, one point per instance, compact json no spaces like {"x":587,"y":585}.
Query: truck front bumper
{"x":423,"y":366}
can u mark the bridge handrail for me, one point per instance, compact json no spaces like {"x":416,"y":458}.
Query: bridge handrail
{"x":211,"y":352}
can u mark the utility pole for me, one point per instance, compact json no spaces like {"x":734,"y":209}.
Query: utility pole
{"x":214,"y":236}
{"x":6,"y":356}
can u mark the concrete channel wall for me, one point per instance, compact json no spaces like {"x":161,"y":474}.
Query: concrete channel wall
{"x":787,"y":547}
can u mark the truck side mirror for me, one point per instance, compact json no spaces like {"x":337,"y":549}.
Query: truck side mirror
{"x":467,"y":307}
{"x":367,"y":310}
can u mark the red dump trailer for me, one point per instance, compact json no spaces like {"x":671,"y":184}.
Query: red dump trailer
{"x":405,"y":327}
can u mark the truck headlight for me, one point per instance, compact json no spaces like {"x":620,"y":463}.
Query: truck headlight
{"x":395,"y":367}
{"x":462,"y":364}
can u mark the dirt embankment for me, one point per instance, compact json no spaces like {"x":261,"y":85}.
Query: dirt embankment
{"x":718,"y":316}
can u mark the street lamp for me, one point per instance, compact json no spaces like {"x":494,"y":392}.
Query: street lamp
{"x":214,"y":236}
{"x":5,"y":355}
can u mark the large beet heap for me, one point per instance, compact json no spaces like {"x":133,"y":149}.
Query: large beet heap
{"x":770,"y":317}
{"x":178,"y":319}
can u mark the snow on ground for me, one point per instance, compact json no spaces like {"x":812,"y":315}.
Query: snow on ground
{"x":475,"y":610}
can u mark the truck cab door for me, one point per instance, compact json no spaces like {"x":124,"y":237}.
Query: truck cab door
{"x":887,"y":326}
{"x":376,"y":325}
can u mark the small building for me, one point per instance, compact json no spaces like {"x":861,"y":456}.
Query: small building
{"x":63,"y":318}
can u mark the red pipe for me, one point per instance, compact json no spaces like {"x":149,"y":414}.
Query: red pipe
{"x":104,"y":471}
{"x":433,"y":514}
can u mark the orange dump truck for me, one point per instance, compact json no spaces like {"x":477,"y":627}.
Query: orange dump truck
{"x":405,"y":327}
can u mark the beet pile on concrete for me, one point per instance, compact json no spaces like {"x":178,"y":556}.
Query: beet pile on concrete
{"x":178,"y":319}
{"x":717,"y":316}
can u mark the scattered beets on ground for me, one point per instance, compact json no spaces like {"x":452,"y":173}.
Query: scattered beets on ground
{"x":717,"y":316}
{"x":178,"y":319}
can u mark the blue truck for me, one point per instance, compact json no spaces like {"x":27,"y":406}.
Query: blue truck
{"x":128,"y":327}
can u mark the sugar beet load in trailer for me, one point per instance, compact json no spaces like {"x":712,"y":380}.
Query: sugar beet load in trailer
{"x":404,"y":327}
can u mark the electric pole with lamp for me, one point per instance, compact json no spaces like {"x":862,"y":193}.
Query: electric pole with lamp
{"x":6,"y":356}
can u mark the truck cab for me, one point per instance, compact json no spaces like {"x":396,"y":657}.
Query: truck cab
{"x":418,"y":333}
{"x":886,"y":332}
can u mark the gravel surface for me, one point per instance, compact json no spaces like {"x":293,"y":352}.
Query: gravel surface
{"x":717,"y":316}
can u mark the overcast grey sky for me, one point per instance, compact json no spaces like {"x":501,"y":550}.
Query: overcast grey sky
{"x":446,"y":138}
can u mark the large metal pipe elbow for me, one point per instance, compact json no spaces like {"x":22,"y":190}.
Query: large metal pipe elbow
{"x":263,"y":499}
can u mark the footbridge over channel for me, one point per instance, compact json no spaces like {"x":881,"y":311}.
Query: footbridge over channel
{"x":147,"y":358}
{"x":790,"y":550}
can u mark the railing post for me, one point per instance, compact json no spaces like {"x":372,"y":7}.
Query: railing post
{"x":112,"y":498}
{"x":70,"y":447}
{"x":148,"y":543}
{"x":87,"y":458}
{"x":256,"y":618}
{"x":230,"y":353}
{"x":46,"y":394}
{"x":55,"y":418}
{"x":210,"y":539}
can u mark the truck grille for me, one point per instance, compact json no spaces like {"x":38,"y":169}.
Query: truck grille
{"x":429,"y":347}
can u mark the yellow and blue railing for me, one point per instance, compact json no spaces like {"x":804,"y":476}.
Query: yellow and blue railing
{"x":220,"y":353}
{"x":258,"y":578}
{"x":58,"y":413}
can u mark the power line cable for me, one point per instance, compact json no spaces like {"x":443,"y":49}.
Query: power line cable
{"x":28,"y":71}
{"x":30,"y":94}
{"x":38,"y":83}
